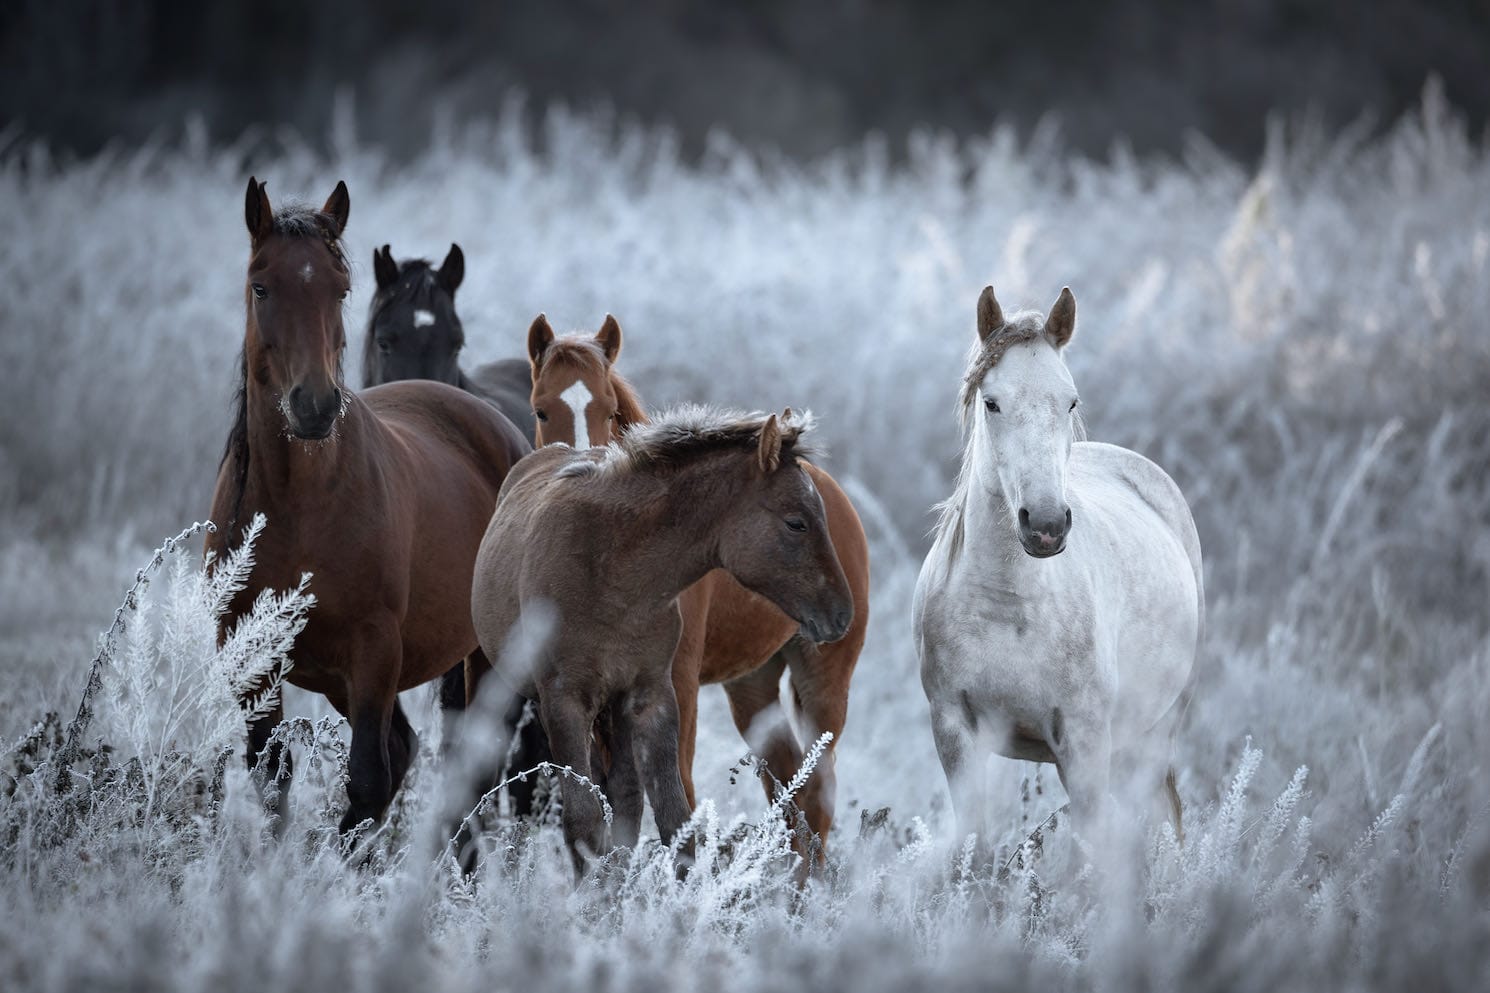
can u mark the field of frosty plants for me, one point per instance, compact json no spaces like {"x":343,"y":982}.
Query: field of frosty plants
{"x":1304,"y":345}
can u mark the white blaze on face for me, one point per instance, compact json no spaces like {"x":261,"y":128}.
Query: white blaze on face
{"x":578,"y":398}
{"x":423,"y":318}
{"x":307,"y":272}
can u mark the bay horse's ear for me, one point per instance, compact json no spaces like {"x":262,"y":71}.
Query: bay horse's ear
{"x":1061,"y":324}
{"x":769,"y":454}
{"x":257,"y":213}
{"x":452,"y":270}
{"x":990,"y":314}
{"x":385,"y":270}
{"x":609,"y":339}
{"x":540,"y":336}
{"x":338,"y":207}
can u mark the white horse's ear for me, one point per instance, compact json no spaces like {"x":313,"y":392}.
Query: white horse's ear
{"x":770,"y":448}
{"x":990,"y":314}
{"x":1061,"y":324}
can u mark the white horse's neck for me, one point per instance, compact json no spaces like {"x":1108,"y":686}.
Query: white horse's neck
{"x":989,"y":549}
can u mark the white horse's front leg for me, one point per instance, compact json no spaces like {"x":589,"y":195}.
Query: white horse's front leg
{"x":965,"y":763}
{"x":1083,"y":754}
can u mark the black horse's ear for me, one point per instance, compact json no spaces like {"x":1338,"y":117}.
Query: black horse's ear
{"x":385,"y":270}
{"x":990,"y":314}
{"x":540,"y":336}
{"x":1061,"y":324}
{"x":338,"y":207}
{"x":257,"y":213}
{"x":452,"y":270}
{"x":609,"y":339}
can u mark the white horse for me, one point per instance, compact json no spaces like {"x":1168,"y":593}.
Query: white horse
{"x":1083,"y":659}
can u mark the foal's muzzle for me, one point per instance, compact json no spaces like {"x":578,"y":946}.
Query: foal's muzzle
{"x":828,"y":627}
{"x":1044,"y":533}
{"x":313,"y":414}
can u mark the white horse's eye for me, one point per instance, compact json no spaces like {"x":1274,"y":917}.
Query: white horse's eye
{"x":1073,"y":405}
{"x":991,"y":404}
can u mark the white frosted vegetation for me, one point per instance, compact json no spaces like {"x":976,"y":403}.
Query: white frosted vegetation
{"x":1303,"y":347}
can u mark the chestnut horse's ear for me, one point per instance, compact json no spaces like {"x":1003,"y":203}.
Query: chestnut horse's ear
{"x":540,"y":336}
{"x":990,"y":314}
{"x":385,"y":270}
{"x":257,"y":213}
{"x":338,"y":207}
{"x":769,"y":454}
{"x":1061,"y":324}
{"x":452,"y":270}
{"x":609,"y":339}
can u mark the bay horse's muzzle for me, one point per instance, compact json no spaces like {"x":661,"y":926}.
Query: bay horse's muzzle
{"x":1044,"y":534}
{"x":311,"y":413}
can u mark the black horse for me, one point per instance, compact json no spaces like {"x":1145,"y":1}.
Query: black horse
{"x":413,"y":332}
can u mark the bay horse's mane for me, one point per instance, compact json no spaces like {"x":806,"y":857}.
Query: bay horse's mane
{"x":689,"y":432}
{"x":584,"y":354}
{"x":292,"y":220}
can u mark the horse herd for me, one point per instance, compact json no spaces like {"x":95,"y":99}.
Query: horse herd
{"x":528,"y":527}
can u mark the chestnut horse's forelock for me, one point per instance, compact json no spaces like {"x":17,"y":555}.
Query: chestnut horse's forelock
{"x":583,"y":354}
{"x":292,"y":220}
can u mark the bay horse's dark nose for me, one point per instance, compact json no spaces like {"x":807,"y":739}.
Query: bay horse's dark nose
{"x":312,"y":414}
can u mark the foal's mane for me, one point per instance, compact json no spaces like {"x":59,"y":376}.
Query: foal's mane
{"x":292,"y":220}
{"x":584,"y":354}
{"x":688,"y":433}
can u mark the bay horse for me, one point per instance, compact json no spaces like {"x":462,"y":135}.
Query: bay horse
{"x":382,"y":496}
{"x":413,"y":332}
{"x":730,"y":635}
{"x":605,"y":539}
{"x":1058,"y":613}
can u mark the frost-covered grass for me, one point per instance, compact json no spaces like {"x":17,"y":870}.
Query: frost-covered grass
{"x":1304,"y":346}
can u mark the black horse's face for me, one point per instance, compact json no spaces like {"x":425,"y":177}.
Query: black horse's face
{"x":413,"y":331}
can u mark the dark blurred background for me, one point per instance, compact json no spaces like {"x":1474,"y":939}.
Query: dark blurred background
{"x":800,"y":77}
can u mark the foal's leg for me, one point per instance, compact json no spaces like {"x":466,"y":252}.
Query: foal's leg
{"x":568,"y":721}
{"x":274,"y":763}
{"x":623,"y":786}
{"x":755,"y":704}
{"x":653,"y":719}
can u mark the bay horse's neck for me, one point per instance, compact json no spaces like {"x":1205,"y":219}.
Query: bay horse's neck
{"x":281,"y":467}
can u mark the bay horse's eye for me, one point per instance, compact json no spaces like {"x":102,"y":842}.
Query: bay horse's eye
{"x":259,"y":291}
{"x":540,"y":415}
{"x":991,"y":404}
{"x":796,"y":524}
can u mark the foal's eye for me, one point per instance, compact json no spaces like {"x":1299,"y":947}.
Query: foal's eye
{"x":259,"y":291}
{"x":796,"y":524}
{"x":991,"y":404}
{"x":540,"y":415}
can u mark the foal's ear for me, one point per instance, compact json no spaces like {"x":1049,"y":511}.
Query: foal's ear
{"x":257,"y":213}
{"x":338,"y":207}
{"x":1061,"y":324}
{"x":609,"y":338}
{"x":990,"y":314}
{"x":385,"y":270}
{"x":769,"y":453}
{"x":540,"y":336}
{"x":452,"y":270}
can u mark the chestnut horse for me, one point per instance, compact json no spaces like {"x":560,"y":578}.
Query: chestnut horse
{"x":382,"y":497}
{"x":730,"y":635}
{"x":697,"y":491}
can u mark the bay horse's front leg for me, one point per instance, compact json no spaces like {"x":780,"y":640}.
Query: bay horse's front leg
{"x":272,"y":766}
{"x":820,"y":677}
{"x":755,"y":705}
{"x":372,"y":698}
